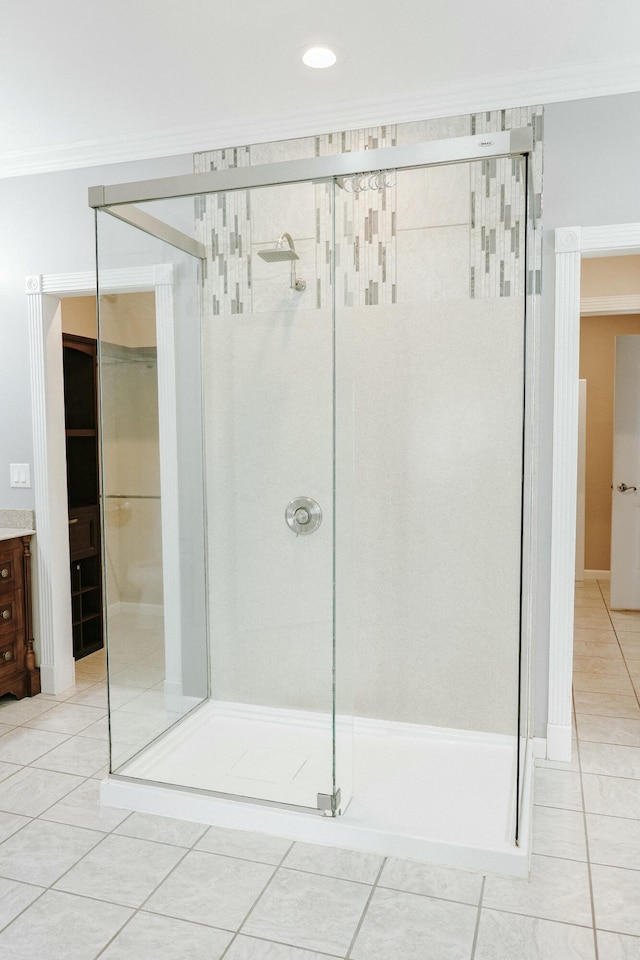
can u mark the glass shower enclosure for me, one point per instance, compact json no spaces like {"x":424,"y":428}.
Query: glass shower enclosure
{"x":312,"y":490}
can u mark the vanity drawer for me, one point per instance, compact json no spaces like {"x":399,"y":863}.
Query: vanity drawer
{"x":10,"y":567}
{"x":11,"y":654}
{"x":11,"y":613}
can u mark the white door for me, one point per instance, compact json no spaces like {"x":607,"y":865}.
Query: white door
{"x":625,"y":514}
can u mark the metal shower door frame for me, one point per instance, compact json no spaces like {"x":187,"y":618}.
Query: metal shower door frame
{"x":119,"y":201}
{"x":431,"y":153}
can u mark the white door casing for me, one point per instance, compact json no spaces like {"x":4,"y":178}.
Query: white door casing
{"x":582,"y":471}
{"x":571,"y":243}
{"x":625,"y":504}
{"x":51,"y":555}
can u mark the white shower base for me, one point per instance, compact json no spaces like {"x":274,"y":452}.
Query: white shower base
{"x":425,"y":793}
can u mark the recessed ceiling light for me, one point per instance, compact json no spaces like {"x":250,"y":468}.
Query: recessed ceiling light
{"x":319,"y":57}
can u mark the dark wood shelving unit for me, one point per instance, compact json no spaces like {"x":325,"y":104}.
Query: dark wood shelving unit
{"x":81,"y":430}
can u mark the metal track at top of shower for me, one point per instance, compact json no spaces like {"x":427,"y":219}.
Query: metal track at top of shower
{"x":430,"y":153}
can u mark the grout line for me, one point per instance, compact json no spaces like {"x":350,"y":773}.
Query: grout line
{"x":136,"y":910}
{"x":280,"y":943}
{"x":586,"y":841}
{"x":477,"y":927}
{"x":366,"y":908}
{"x":258,"y":899}
{"x":591,"y":813}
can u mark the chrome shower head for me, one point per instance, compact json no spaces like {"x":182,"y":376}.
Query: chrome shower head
{"x":280,"y":252}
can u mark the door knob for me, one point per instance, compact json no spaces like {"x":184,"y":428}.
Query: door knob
{"x":622,"y":487}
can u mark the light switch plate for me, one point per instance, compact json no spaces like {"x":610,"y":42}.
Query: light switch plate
{"x":20,"y":474}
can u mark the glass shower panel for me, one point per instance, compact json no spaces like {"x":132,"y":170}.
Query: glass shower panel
{"x":269,"y":420}
{"x":430,"y":284}
{"x":149,"y":328}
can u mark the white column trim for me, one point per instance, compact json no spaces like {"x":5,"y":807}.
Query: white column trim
{"x":51,"y":556}
{"x":571,"y":243}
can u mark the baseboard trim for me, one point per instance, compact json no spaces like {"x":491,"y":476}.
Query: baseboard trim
{"x":559,"y":742}
{"x":539,"y":748}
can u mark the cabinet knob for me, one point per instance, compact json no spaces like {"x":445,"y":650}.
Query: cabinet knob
{"x":7,"y":655}
{"x":6,"y":614}
{"x":4,"y":573}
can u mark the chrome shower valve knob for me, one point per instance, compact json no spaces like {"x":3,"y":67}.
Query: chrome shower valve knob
{"x":303,"y":515}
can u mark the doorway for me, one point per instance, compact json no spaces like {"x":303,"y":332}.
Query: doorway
{"x":571,"y":244}
{"x":597,"y":369}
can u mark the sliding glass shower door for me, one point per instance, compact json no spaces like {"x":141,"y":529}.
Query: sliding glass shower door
{"x":268,"y":375}
{"x":244,"y":461}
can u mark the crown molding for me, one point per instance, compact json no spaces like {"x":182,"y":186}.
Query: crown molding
{"x":575,"y":82}
{"x":610,"y":306}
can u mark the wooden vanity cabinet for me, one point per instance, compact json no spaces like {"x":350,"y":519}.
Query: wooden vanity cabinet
{"x":18,"y":672}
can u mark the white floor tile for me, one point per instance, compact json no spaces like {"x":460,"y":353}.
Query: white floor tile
{"x":558,"y":890}
{"x":405,"y":926}
{"x":10,"y":823}
{"x":559,"y":833}
{"x":62,"y":927}
{"x":82,"y":808}
{"x":14,"y":897}
{"x":609,"y":730}
{"x":41,"y":852}
{"x":431,"y":880}
{"x":31,"y":791}
{"x":507,"y":936}
{"x":66,"y":718}
{"x":23,"y":745}
{"x":334,"y":862}
{"x":600,"y":667}
{"x":611,"y":796}
{"x":19,"y":711}
{"x":144,"y":826}
{"x":616,"y":895}
{"x":244,"y":845}
{"x":8,"y":769}
{"x":78,"y":755}
{"x":617,"y":946}
{"x":610,"y":759}
{"x":557,"y":788}
{"x":606,"y":704}
{"x":614,"y":841}
{"x":594,"y":683}
{"x":149,"y":937}
{"x":309,"y":911}
{"x":250,"y":948}
{"x":597,"y":648}
{"x":122,"y":870}
{"x":205,"y":888}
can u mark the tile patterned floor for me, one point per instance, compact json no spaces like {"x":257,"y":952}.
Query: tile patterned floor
{"x":79,"y":881}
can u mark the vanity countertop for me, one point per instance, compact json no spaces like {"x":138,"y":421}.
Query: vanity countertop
{"x":8,"y":533}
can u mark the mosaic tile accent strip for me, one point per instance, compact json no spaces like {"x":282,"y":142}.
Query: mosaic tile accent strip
{"x":498,"y":229}
{"x":365,"y":229}
{"x":224,"y":224}
{"x":367,"y":222}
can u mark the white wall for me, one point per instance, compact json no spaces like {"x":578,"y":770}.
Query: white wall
{"x":45,"y":227}
{"x":590,"y":178}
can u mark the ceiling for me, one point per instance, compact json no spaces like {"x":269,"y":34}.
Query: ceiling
{"x":88,"y":81}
